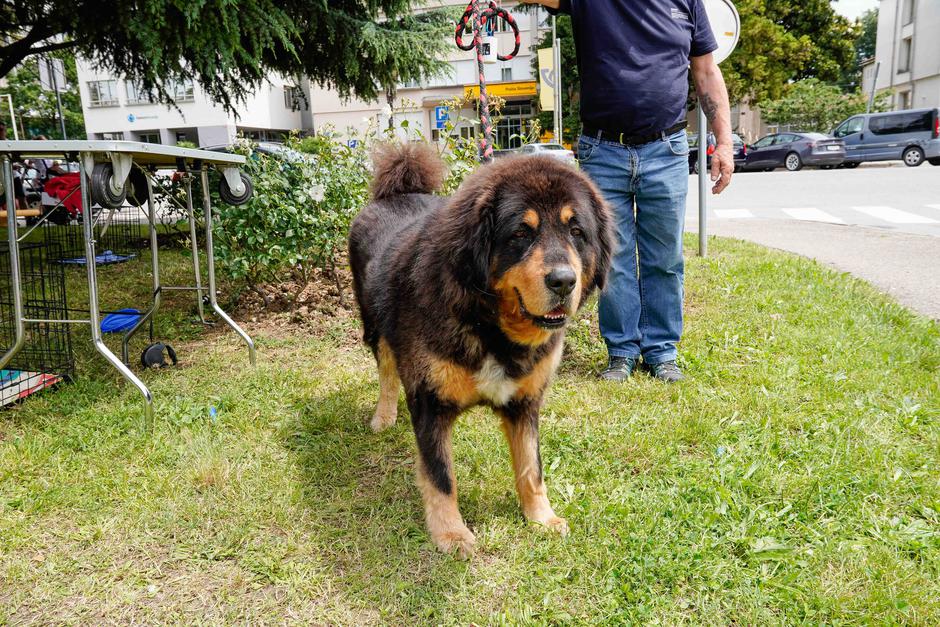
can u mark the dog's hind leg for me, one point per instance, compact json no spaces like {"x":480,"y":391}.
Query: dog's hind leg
{"x":521,"y":426}
{"x":386,"y":413}
{"x":433,"y":423}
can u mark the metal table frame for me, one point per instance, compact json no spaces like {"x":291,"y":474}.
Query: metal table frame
{"x":123,"y":156}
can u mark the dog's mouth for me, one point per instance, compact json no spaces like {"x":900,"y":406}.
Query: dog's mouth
{"x":554,"y":319}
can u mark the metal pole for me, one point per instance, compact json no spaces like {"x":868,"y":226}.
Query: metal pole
{"x":210,"y":266}
{"x":195,"y":246}
{"x":556,"y":65}
{"x":16,"y":135}
{"x":155,"y":269}
{"x":58,"y":99}
{"x":874,"y":84}
{"x":702,"y":183}
{"x":15,"y":285}
{"x":91,"y":268}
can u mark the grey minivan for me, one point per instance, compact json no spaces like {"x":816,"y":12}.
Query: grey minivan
{"x":912,"y":136}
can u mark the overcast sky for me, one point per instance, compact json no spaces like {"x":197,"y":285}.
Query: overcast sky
{"x":854,"y":8}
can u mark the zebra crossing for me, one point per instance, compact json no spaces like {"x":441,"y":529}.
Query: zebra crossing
{"x":874,"y":215}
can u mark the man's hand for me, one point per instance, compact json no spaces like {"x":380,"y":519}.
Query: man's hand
{"x":722,"y":167}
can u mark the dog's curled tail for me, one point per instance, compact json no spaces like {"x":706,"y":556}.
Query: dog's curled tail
{"x":411,"y":168}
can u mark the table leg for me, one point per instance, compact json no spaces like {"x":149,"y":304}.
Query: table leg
{"x":195,"y":246}
{"x":96,"y":336}
{"x":210,"y":264}
{"x":16,"y":287}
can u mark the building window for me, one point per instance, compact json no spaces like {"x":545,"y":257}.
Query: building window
{"x":116,"y":136}
{"x":102,"y":93}
{"x":136,"y":94}
{"x":149,"y":138}
{"x":512,"y":125}
{"x":507,"y":74}
{"x":907,"y":12}
{"x":181,"y":90}
{"x":904,"y":59}
{"x":904,"y":100}
{"x":294,"y":98}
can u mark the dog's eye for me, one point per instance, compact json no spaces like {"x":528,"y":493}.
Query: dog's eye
{"x":577,"y":232}
{"x":520,"y":234}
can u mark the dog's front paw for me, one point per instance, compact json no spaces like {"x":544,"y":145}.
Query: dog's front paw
{"x":558,"y":525}
{"x":382,"y":421}
{"x":552,"y":522}
{"x":458,"y":540}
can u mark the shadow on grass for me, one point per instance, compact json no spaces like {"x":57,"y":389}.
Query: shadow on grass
{"x":358,"y":488}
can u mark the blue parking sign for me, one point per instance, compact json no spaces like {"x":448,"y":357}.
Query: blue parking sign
{"x":352,"y":143}
{"x":441,"y":116}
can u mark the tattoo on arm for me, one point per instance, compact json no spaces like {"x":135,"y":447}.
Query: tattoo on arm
{"x":709,"y":106}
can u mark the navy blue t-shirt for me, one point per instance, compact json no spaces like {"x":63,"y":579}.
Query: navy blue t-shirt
{"x":633,"y":57}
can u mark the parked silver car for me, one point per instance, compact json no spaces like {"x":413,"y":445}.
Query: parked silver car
{"x":552,"y":150}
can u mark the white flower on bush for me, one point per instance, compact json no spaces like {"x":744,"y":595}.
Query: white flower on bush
{"x":386,"y":110}
{"x":317,"y":192}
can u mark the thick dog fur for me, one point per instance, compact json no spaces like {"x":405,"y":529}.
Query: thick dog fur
{"x":464,"y":302}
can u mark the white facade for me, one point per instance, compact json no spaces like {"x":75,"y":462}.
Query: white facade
{"x":114,"y":110}
{"x":514,"y":80}
{"x":908,"y":50}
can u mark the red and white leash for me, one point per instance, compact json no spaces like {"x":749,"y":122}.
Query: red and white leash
{"x":479,"y":20}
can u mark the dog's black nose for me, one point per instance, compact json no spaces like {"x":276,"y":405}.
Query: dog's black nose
{"x":561,"y":280}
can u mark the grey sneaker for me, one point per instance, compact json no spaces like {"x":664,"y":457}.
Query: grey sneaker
{"x":619,"y":369}
{"x":666,"y":371}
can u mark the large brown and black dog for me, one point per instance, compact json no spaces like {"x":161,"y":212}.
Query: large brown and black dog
{"x":464,"y":301}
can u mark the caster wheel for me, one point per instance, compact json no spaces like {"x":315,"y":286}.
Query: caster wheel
{"x":136,"y":187}
{"x":228,"y":196}
{"x":103,"y":191}
{"x":152,"y":357}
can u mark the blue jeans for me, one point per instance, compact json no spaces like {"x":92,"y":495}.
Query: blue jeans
{"x":640,"y":310}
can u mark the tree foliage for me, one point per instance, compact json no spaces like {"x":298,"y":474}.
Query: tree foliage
{"x":230,"y":46}
{"x":35,"y":108}
{"x":787,"y":40}
{"x":868,"y":35}
{"x":811,"y":105}
{"x":570,"y":78}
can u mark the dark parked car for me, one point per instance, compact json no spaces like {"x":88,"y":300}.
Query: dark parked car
{"x":794,"y":150}
{"x":740,"y":151}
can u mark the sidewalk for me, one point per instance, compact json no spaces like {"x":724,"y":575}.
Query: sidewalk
{"x":905,"y":266}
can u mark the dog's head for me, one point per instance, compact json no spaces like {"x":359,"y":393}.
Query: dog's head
{"x":535,"y":235}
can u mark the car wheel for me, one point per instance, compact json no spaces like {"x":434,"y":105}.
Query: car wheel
{"x":769,"y":169}
{"x":851,"y":165}
{"x":913,"y":156}
{"x":934,"y":161}
{"x":793,"y":162}
{"x":826,"y":167}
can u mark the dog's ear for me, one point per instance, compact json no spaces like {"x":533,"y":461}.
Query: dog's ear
{"x":605,"y":235}
{"x":472,"y":214}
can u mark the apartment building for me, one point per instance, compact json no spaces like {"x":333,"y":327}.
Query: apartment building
{"x":908,"y":50}
{"x":115,"y":108}
{"x":515,"y":81}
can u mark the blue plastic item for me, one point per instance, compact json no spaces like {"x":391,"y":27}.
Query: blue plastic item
{"x":105,"y":258}
{"x":120,"y":321}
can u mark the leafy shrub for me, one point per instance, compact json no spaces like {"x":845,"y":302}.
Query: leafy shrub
{"x":297,"y":219}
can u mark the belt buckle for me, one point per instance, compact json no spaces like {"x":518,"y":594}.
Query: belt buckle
{"x":621,"y":139}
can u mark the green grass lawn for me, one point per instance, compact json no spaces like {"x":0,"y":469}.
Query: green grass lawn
{"x":793,"y":478}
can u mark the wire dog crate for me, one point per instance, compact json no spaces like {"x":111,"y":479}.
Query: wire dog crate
{"x":120,"y":235}
{"x":46,"y":358}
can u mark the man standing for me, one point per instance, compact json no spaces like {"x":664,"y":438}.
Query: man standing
{"x":634,"y":58}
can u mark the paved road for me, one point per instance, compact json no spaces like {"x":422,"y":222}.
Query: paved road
{"x":879,"y":223}
{"x":894,"y":198}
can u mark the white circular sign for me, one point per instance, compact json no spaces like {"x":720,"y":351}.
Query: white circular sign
{"x":726,"y":25}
